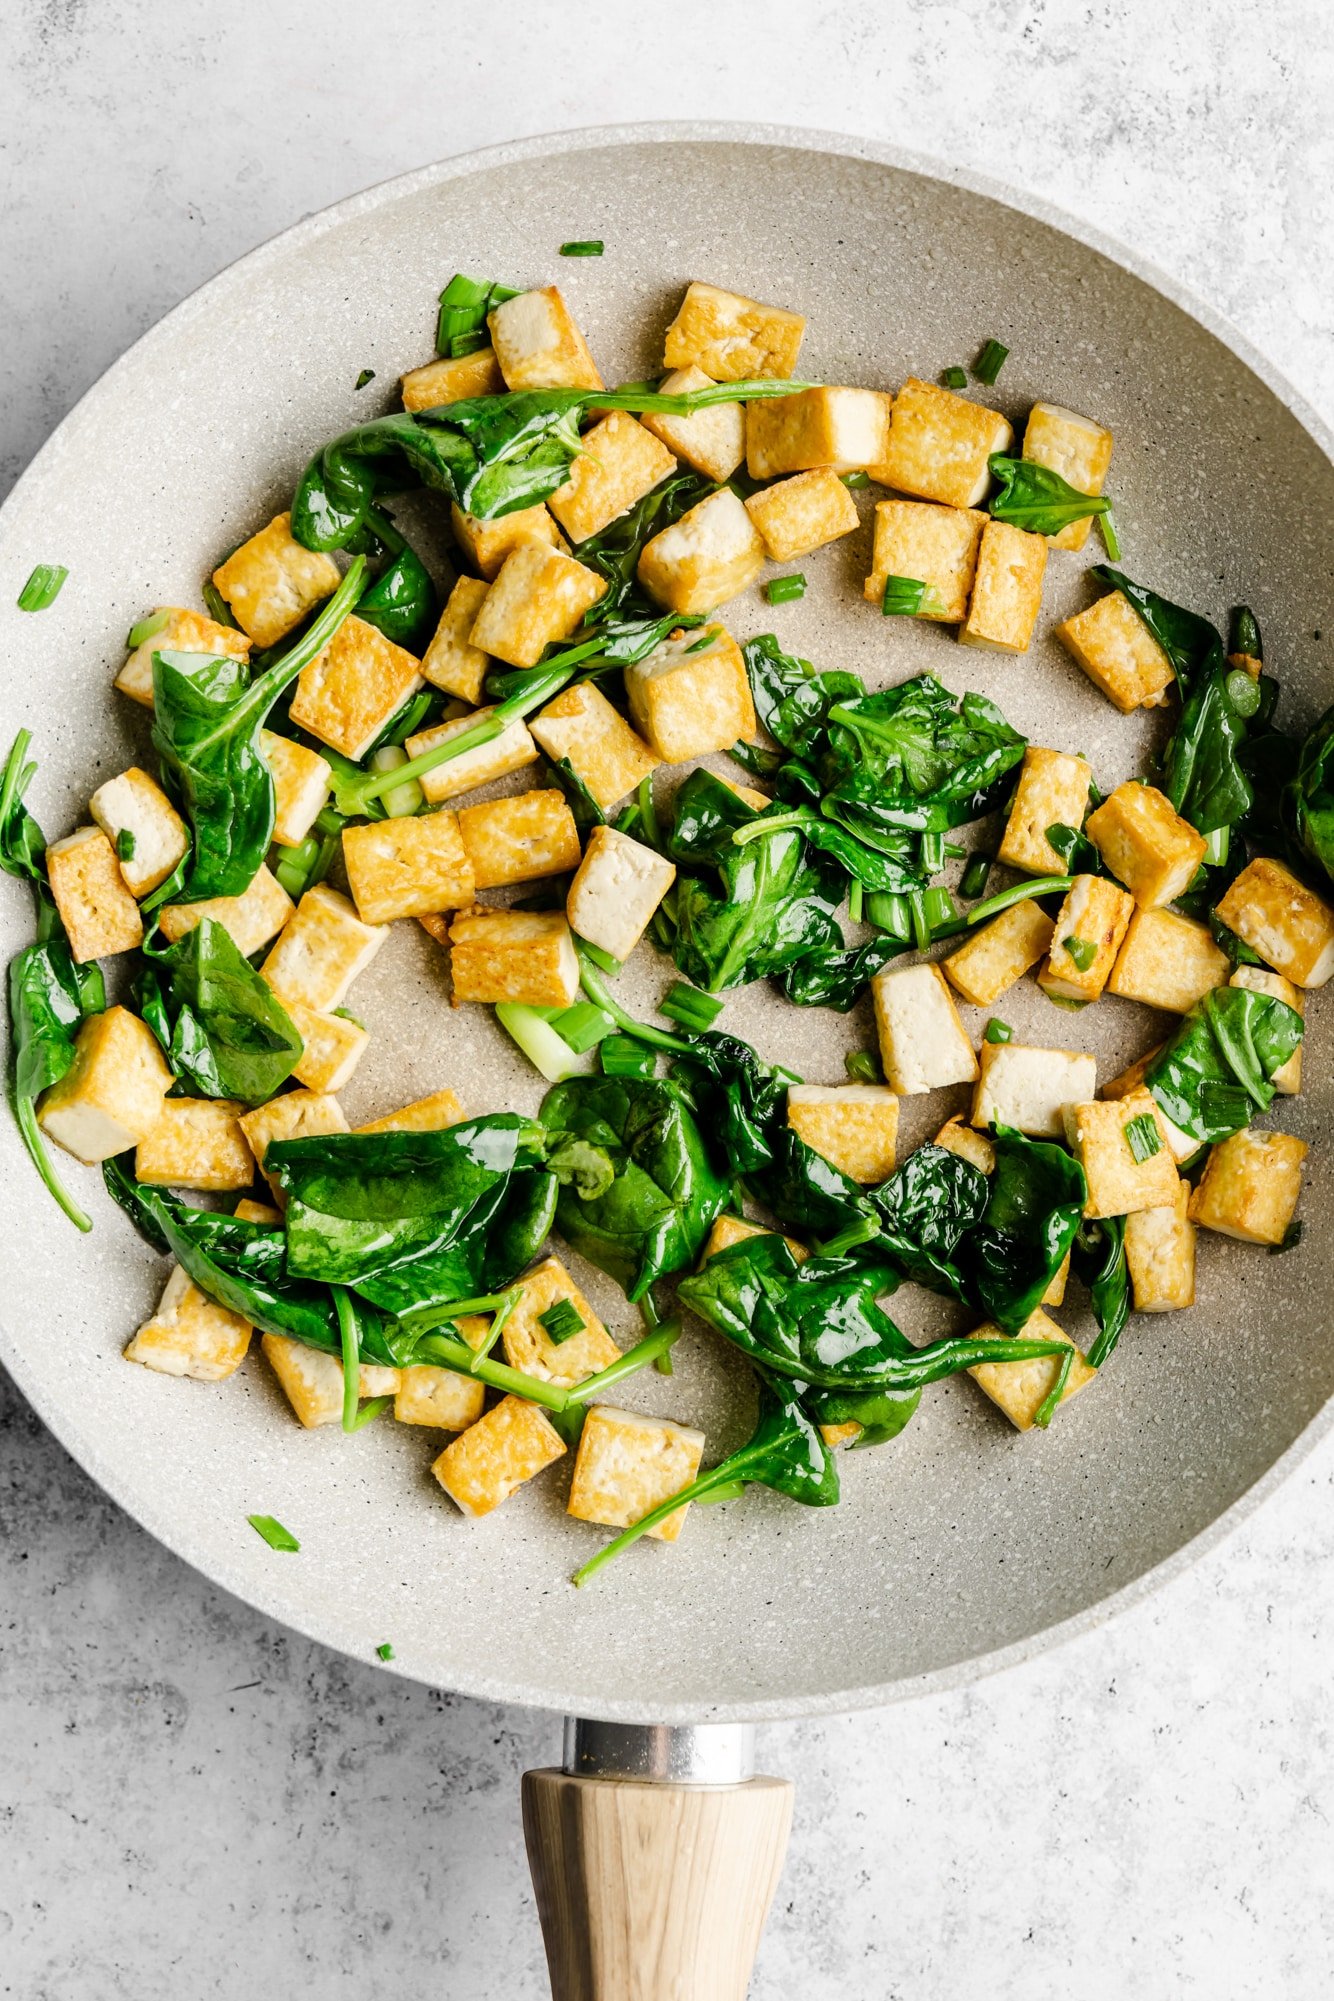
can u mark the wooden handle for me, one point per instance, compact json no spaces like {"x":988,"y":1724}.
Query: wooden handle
{"x":651,"y":1891}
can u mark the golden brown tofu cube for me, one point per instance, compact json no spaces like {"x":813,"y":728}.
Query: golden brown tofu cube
{"x":332,"y":1046}
{"x":846,"y":430}
{"x":249,"y":1211}
{"x":514,"y":955}
{"x":486,"y":1463}
{"x":729,"y":1230}
{"x":538,"y":344}
{"x":295,"y":1115}
{"x":196,"y":1143}
{"x":351,"y":690}
{"x":91,"y":894}
{"x":732,"y":338}
{"x":996,"y":955}
{"x":1260,"y":980}
{"x":301,"y":781}
{"x":1285,"y":922}
{"x":1121,"y":1175}
{"x":111,"y":1096}
{"x":1053,"y":791}
{"x":1086,"y":939}
{"x":405,"y":868}
{"x":1160,"y":1255}
{"x":628,"y":1464}
{"x":250,"y":919}
{"x":451,"y":661}
{"x":618,"y":886}
{"x":923,"y":1043}
{"x":486,"y":544}
{"x":713,"y":440}
{"x":853,"y":1125}
{"x":1007,"y":589}
{"x":1076,"y":448}
{"x":1021,"y":1388}
{"x":321,"y":951}
{"x":1119,"y":654}
{"x":540,"y":596}
{"x":496,"y":758}
{"x":180,"y":631}
{"x":1147,"y":845}
{"x":453,"y":379}
{"x":1250,"y":1186}
{"x":968,"y":1143}
{"x":703,"y":559}
{"x":691,"y":695}
{"x":191,"y":1335}
{"x":581,"y":727}
{"x":424,"y":1115}
{"x":619,"y":462}
{"x":1168,"y":961}
{"x":143,"y":827}
{"x":1182,"y":1145}
{"x":800,"y":514}
{"x":529,"y":1347}
{"x":271,"y":582}
{"x":936,"y":545}
{"x":939,"y":444}
{"x":521,"y":838}
{"x":313,"y":1381}
{"x":441,"y":1398}
{"x":1055,"y":1293}
{"x":1029,"y":1088}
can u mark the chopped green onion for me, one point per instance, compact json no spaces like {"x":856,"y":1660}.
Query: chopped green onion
{"x":998,"y":1030}
{"x":43,"y":587}
{"x":648,"y":812}
{"x":583,"y":1026}
{"x":464,"y":305}
{"x":385,"y":1651}
{"x":1110,"y":540}
{"x":784,"y":590}
{"x":854,"y":481}
{"x":405,"y":800}
{"x":1019,"y":892}
{"x":973,"y":881}
{"x":1292,"y":1236}
{"x":562,"y":1321}
{"x":889,"y":913}
{"x":145,"y":628}
{"x":621,"y":1056}
{"x":955,"y":378}
{"x":933,"y":852}
{"x":346,"y":1014}
{"x":125,"y":845}
{"x":1243,"y":635}
{"x":856,"y":900}
{"x":940,"y":909}
{"x":591,"y":246}
{"x":545,"y":1049}
{"x":1243,"y":691}
{"x":990,"y":361}
{"x":366,"y":375}
{"x":273,"y":1532}
{"x":1080,"y":951}
{"x":691,"y":1008}
{"x":1143,"y":1137}
{"x":700,"y":645}
{"x":921,"y":925}
{"x":1216,"y":845}
{"x":863,"y":1067}
{"x":1046,"y":1410}
{"x":907,"y":597}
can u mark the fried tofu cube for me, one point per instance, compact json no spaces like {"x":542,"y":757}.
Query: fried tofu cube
{"x":250,"y":919}
{"x":713,"y":440}
{"x":923,"y":1043}
{"x":111,"y":1096}
{"x":451,"y":661}
{"x":800,"y":514}
{"x":492,"y":1458}
{"x":1055,"y":1293}
{"x":729,"y":1230}
{"x":441,"y":1398}
{"x":853,"y":1125}
{"x":706,"y":557}
{"x":1029,"y":1088}
{"x":1250,"y":1186}
{"x":619,"y":462}
{"x":732,"y":338}
{"x":1076,"y":448}
{"x":1087,"y":936}
{"x":181,"y":631}
{"x":332,"y":1046}
{"x":618,"y":886}
{"x":1160,"y":1255}
{"x":521,"y":838}
{"x":295,"y":1115}
{"x":539,"y":596}
{"x":968,"y":1143}
{"x":939,"y":444}
{"x":196,"y":1143}
{"x":92,"y":896}
{"x":191,"y":1334}
{"x":529,"y":1347}
{"x":996,"y":955}
{"x":405,"y":868}
{"x":538,"y":344}
{"x":1053,"y":791}
{"x":143,"y":827}
{"x":454,"y":378}
{"x":487,"y":544}
{"x":1007,"y":589}
{"x":321,"y":951}
{"x":1181,"y":1145}
{"x":936,"y":545}
{"x":312,"y":1381}
{"x":271,"y":582}
{"x":1119,"y":654}
{"x":1118,"y":1181}
{"x":846,"y":430}
{"x":1260,"y":980}
{"x":301,"y":781}
{"x":581,"y":728}
{"x":248,"y":1210}
{"x":628,"y":1464}
{"x":514,"y":955}
{"x":482,"y":765}
{"x":747,"y":794}
{"x":1168,"y":961}
{"x":1021,"y":1388}
{"x":1285,"y":922}
{"x":1148,"y":846}
{"x":691,"y":695}
{"x":424,"y":1115}
{"x":349,"y":692}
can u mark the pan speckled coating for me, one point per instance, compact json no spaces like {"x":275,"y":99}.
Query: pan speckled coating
{"x":962,"y":1545}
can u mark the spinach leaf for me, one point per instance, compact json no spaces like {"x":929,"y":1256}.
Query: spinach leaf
{"x":836,"y":977}
{"x":913,"y":759}
{"x":882,"y":1414}
{"x":615,"y":551}
{"x":1309,"y":799}
{"x":223,"y":1029}
{"x":1033,"y":497}
{"x":1217,"y":1070}
{"x":925,"y":1208}
{"x":806,"y":1192}
{"x":739,"y":1101}
{"x":1035,"y":1203}
{"x":402,"y":601}
{"x":1098,"y":1258}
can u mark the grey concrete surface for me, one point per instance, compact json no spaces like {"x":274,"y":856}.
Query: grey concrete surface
{"x":196,"y":1804}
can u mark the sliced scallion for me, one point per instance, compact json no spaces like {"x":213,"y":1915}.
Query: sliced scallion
{"x":545,"y":1049}
{"x":973,"y":881}
{"x":689,"y":1007}
{"x":622,"y":1056}
{"x":366,"y":375}
{"x":990,"y":361}
{"x":863,"y":1067}
{"x":589,"y":246}
{"x":785,"y":590}
{"x":43,"y":587}
{"x":1080,"y":951}
{"x":955,"y":378}
{"x":998,"y":1031}
{"x":1143,"y":1137}
{"x":561,"y":1321}
{"x":273,"y":1532}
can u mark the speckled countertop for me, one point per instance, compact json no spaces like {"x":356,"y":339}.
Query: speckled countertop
{"x":196,"y":1804}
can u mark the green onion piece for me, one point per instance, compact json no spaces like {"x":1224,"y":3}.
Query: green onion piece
{"x":1019,"y":892}
{"x":855,"y":481}
{"x":621,"y":1056}
{"x":907,"y":597}
{"x":888,"y":913}
{"x":464,"y":305}
{"x":545,"y":1048}
{"x":648,"y":812}
{"x":691,"y":1008}
{"x":1046,"y":1410}
{"x":939,"y":909}
{"x":1111,"y":542}
{"x":273,"y":1532}
{"x":863,"y":1067}
{"x":145,"y":628}
{"x":933,"y":852}
{"x":998,"y":1030}
{"x":1292,"y":1236}
{"x":1243,"y":635}
{"x":366,"y":375}
{"x":1143,"y":1138}
{"x":1068,"y":1002}
{"x":990,"y":361}
{"x":973,"y":881}
{"x":43,"y":587}
{"x":856,"y":900}
{"x":217,"y":607}
{"x":642,"y":1031}
{"x":955,"y":378}
{"x":583,"y":1026}
{"x":1216,"y":845}
{"x":385,"y":1651}
{"x":125,"y":845}
{"x":700,"y":645}
{"x":591,"y":246}
{"x":784,"y":590}
{"x":1243,"y":691}
{"x":562,"y":1320}
{"x":1080,"y":951}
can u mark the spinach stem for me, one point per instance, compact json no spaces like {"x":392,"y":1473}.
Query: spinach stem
{"x":31,"y":1133}
{"x":348,"y":1334}
{"x":648,"y":1350}
{"x":596,"y":989}
{"x":1019,"y":892}
{"x":444,"y":1352}
{"x":1046,"y":1410}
